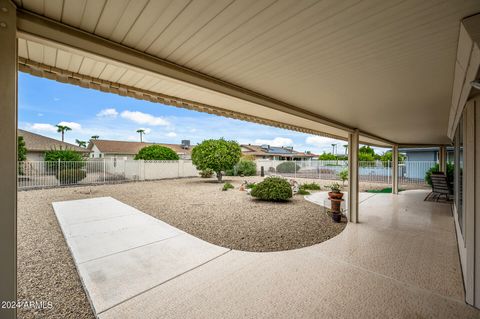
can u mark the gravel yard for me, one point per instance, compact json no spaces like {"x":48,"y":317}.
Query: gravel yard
{"x":231,"y":219}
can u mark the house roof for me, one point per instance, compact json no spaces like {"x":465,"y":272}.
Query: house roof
{"x":131,"y":148}
{"x":39,"y":143}
{"x":258,"y":150}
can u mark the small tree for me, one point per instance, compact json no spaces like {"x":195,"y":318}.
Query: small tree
{"x":217,"y":155}
{"x":52,"y":158}
{"x":157,"y":153}
{"x":343,"y":174}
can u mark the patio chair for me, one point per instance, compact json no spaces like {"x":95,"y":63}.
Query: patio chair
{"x":440,"y":187}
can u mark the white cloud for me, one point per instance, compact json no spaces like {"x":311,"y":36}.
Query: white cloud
{"x":171,"y":134}
{"x":144,"y":118}
{"x":40,"y":114}
{"x":277,"y":141}
{"x":72,"y":125}
{"x":42,"y":127}
{"x":325,"y":143}
{"x":111,"y":112}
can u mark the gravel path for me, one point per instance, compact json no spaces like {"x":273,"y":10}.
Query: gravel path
{"x":230,"y":219}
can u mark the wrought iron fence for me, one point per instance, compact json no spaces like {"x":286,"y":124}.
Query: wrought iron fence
{"x":409,"y":172}
{"x":40,"y":174}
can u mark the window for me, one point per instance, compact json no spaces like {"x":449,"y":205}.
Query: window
{"x":458,"y":185}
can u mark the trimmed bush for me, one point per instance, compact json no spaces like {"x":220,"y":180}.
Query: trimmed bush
{"x":288,"y":167}
{"x":227,"y":186}
{"x":436,"y":168}
{"x":157,"y":153}
{"x":71,"y":176}
{"x":206,"y":173}
{"x":274,"y":189}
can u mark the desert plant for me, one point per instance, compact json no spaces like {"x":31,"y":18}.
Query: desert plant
{"x":275,"y":189}
{"x":227,"y":186}
{"x":157,"y":153}
{"x":217,"y":155}
{"x":70,"y":175}
{"x":206,"y":173}
{"x":436,"y":168}
{"x":310,"y":186}
{"x":335,"y":187}
{"x":288,"y":167}
{"x":343,"y":174}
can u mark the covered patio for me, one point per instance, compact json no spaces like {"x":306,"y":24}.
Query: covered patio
{"x":390,"y":74}
{"x":401,"y":262}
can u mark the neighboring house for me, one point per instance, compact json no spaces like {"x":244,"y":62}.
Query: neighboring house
{"x":275,"y":153}
{"x":37,"y":145}
{"x":425,"y":154}
{"x":124,"y":150}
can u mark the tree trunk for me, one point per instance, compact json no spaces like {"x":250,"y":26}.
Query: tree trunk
{"x":63,"y":136}
{"x":219,"y":176}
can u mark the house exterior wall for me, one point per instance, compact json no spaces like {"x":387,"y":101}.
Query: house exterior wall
{"x":422,"y":156}
{"x":35,"y":156}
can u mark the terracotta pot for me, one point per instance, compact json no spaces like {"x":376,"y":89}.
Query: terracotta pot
{"x":335,"y":195}
{"x":336,"y":204}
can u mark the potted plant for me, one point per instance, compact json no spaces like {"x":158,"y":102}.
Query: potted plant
{"x":336,"y":192}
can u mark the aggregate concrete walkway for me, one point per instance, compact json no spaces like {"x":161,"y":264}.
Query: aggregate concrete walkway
{"x":401,"y":261}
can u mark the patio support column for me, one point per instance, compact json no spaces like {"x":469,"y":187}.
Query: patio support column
{"x":442,"y":159}
{"x":353,"y":196}
{"x":395,"y":169}
{"x":8,"y":155}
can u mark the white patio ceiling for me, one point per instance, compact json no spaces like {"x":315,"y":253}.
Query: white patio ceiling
{"x":384,"y":67}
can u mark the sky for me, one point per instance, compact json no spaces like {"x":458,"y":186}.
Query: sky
{"x":45,"y":103}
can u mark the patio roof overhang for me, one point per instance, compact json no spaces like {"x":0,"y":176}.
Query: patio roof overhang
{"x":303,"y":70}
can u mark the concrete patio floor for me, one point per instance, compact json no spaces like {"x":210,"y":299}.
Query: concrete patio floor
{"x":401,"y":261}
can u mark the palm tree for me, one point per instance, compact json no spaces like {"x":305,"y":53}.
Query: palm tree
{"x":141,"y":132}
{"x":333,"y":148}
{"x":95,"y":137}
{"x":81,"y":143}
{"x":62,"y":129}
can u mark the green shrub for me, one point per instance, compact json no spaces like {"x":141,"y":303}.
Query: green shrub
{"x":227,"y":186}
{"x":64,"y":156}
{"x":157,"y":153}
{"x":250,"y":185}
{"x":217,"y":155}
{"x":288,"y":167}
{"x":275,"y":189}
{"x":70,"y":176}
{"x":436,"y":168}
{"x":244,"y":167}
{"x":311,"y":186}
{"x":206,"y":173}
{"x":343,"y":174}
{"x":303,"y":191}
